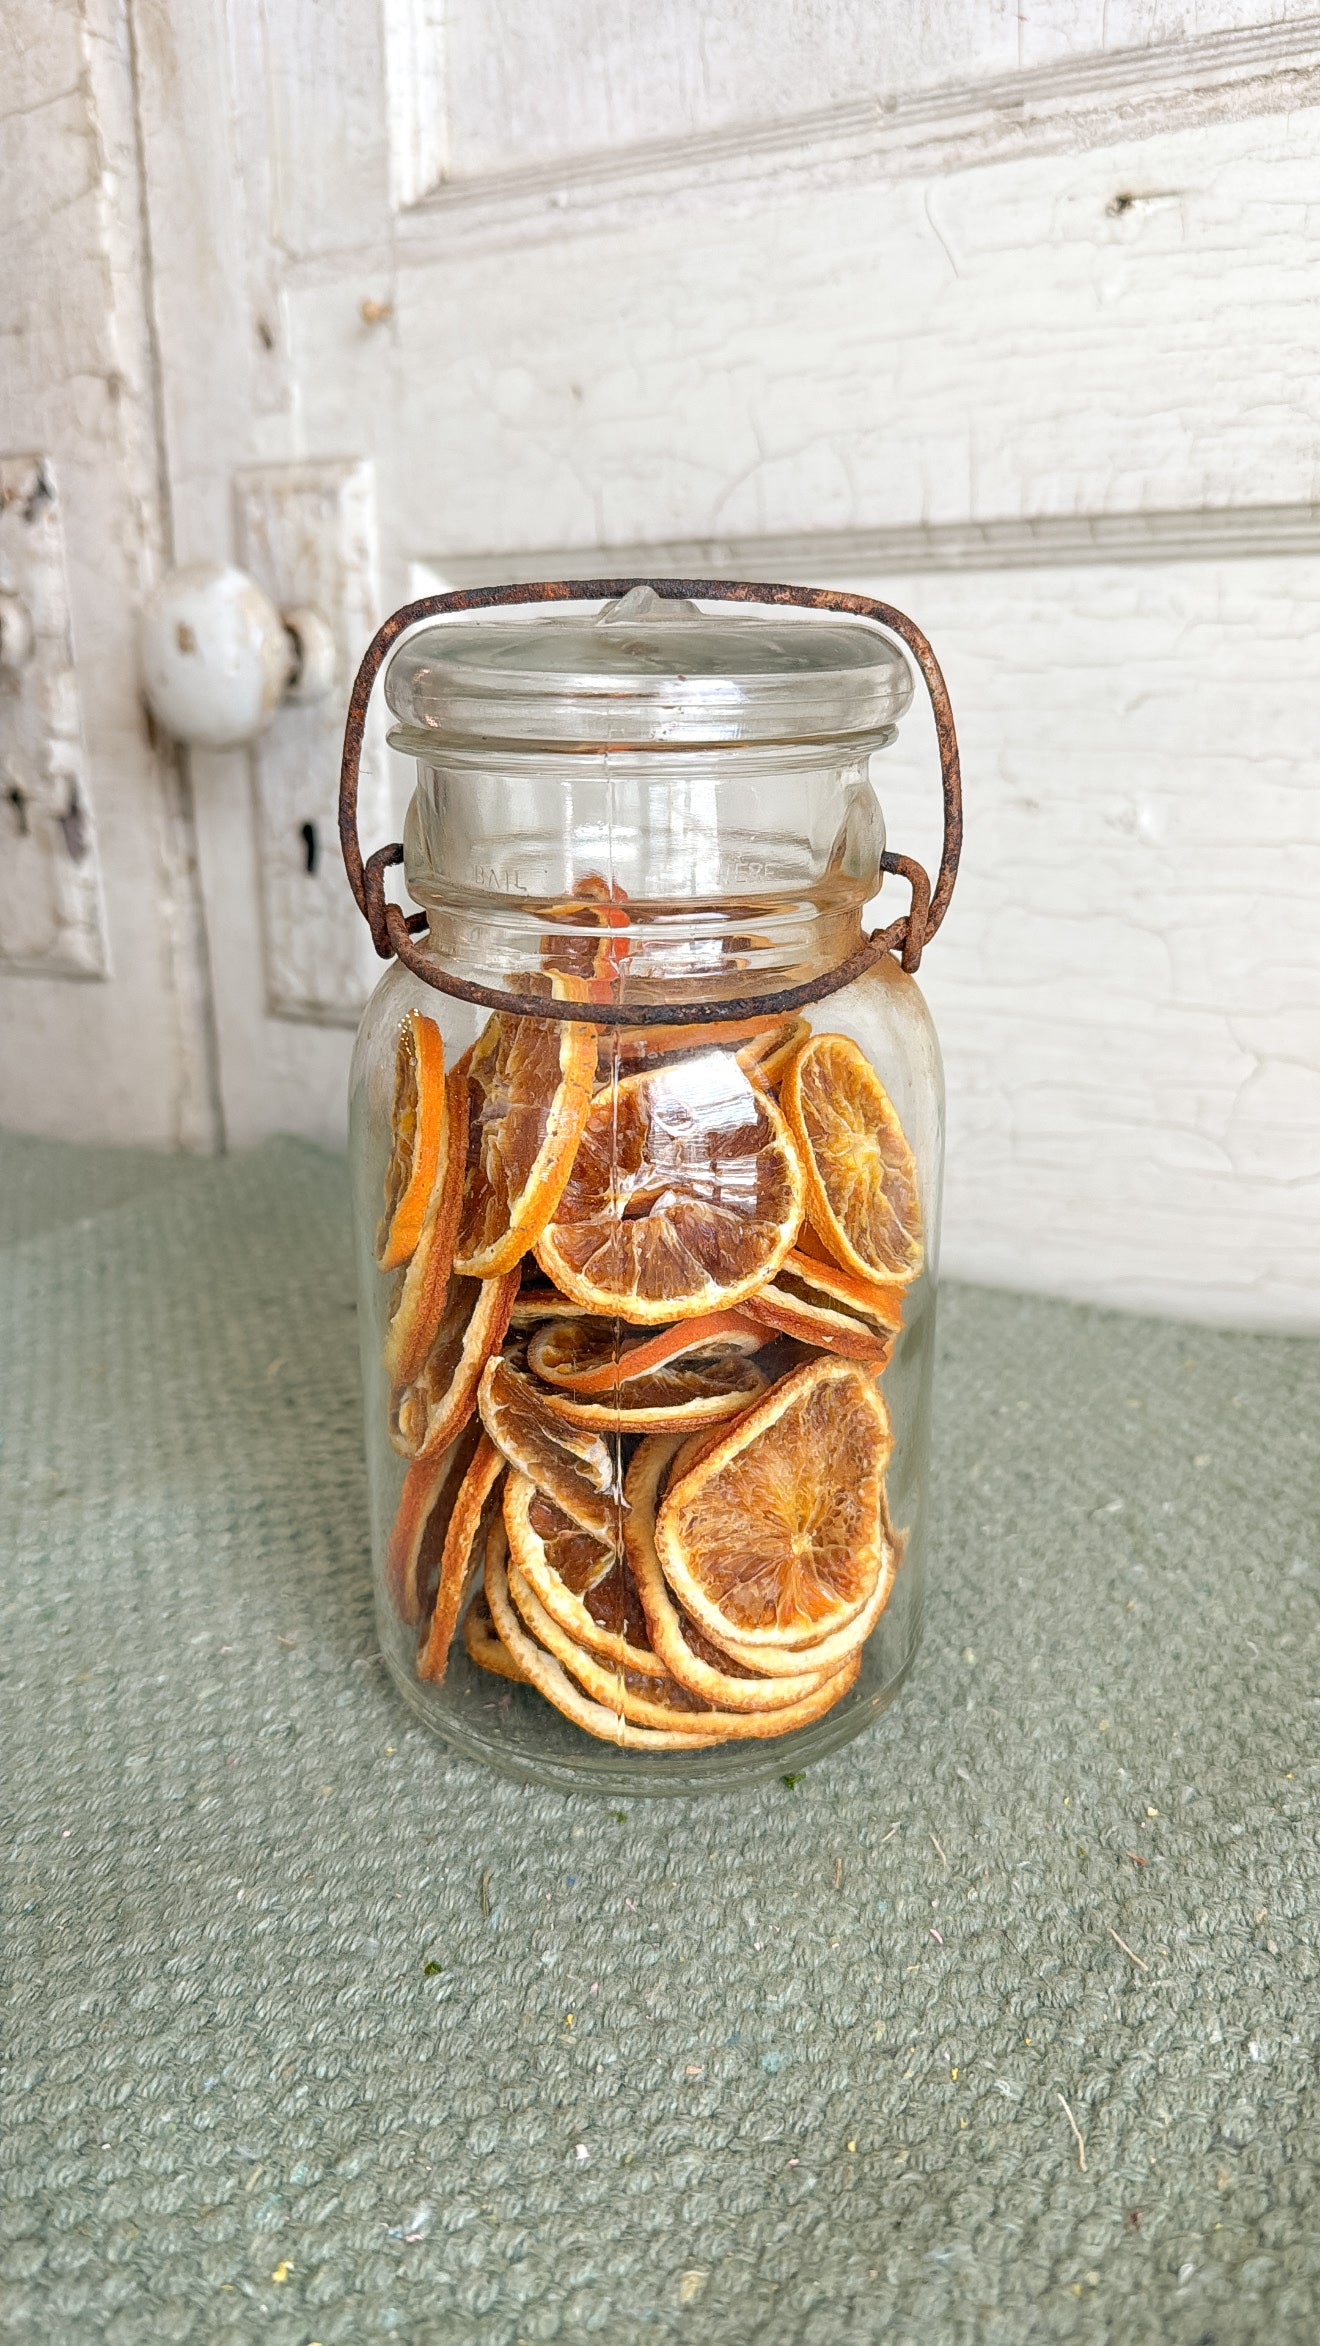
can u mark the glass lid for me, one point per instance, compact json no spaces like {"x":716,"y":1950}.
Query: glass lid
{"x":645,"y":671}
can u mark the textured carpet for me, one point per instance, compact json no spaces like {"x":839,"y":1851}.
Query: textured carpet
{"x":314,"y":2032}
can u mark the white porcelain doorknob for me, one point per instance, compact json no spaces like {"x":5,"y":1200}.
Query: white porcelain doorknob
{"x":218,"y":659}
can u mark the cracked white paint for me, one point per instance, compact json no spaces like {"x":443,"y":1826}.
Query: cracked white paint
{"x":1128,"y":985}
{"x":572,"y":77}
{"x":307,"y":534}
{"x":52,"y":909}
{"x":896,"y":291}
{"x":127,"y":1059}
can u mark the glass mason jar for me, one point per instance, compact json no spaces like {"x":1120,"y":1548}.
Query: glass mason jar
{"x":646,"y":1146}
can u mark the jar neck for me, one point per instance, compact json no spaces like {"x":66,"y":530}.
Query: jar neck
{"x":733,"y":956}
{"x":684,"y":876}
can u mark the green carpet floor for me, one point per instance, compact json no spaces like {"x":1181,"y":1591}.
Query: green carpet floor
{"x":315,"y":2032}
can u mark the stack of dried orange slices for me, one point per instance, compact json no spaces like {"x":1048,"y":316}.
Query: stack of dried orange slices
{"x":645,"y":1283}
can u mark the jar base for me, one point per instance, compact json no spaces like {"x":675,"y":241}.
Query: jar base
{"x":515,"y":1732}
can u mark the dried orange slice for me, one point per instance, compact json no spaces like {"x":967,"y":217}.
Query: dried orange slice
{"x":773,"y":1044}
{"x":813,"y":1321}
{"x":828,"y":1653}
{"x":767,"y":1061}
{"x":596,"y":889}
{"x":706,"y":1388}
{"x":627,"y":1050}
{"x":775,"y":1537}
{"x":591,"y":1357}
{"x":697,"y":1373}
{"x":694,"y":1449}
{"x":572,"y":1465}
{"x":818,"y":1281}
{"x":823,"y":1654}
{"x":416,"y":1541}
{"x":417,"y":1137}
{"x":586,"y":942}
{"x":426,"y":1415}
{"x":695,"y":1661}
{"x":660,"y":1703}
{"x":529,"y":1096}
{"x":534,"y":1304}
{"x":483,"y":1645}
{"x":584,"y":1583}
{"x":551,"y":1679}
{"x":684,"y":1196}
{"x":783,"y":1356}
{"x":461,"y":1559}
{"x":423,"y":1286}
{"x":861,"y":1180}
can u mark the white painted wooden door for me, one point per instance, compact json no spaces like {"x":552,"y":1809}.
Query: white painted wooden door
{"x":104,"y":1021}
{"x":1003,"y":308}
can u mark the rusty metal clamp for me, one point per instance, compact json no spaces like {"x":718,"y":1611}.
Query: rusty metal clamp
{"x":393,"y":930}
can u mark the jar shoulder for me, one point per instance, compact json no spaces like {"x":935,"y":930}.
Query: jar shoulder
{"x":888,"y":1015}
{"x":398,"y":992}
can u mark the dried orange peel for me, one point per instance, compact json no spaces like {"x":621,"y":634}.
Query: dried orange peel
{"x":583,"y":1583}
{"x":461,"y":1559}
{"x":684,"y":1196}
{"x":529,"y":1096}
{"x":861,"y":1181}
{"x":417,"y":1137}
{"x":775,"y":1537}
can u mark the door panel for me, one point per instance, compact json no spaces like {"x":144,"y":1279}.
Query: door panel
{"x":544,"y":86}
{"x":1004,"y":311}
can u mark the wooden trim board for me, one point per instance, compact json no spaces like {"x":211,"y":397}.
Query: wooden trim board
{"x":1069,"y":105}
{"x":1044,"y":541}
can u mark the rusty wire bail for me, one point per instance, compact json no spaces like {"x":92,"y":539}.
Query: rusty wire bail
{"x":393,"y":930}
